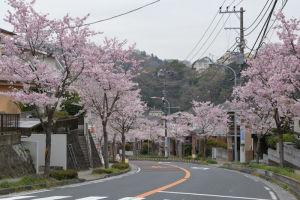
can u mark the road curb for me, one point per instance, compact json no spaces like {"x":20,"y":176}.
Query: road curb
{"x":287,"y":183}
{"x":6,"y":191}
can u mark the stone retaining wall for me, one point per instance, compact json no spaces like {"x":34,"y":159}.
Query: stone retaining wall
{"x":10,"y":139}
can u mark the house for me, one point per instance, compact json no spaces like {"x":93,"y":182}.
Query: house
{"x":202,"y":64}
{"x":6,"y":104}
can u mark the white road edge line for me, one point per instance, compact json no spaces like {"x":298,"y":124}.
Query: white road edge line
{"x":92,"y":198}
{"x":53,"y":198}
{"x":267,"y":188}
{"x":18,"y":197}
{"x":211,"y":195}
{"x":273,"y":196}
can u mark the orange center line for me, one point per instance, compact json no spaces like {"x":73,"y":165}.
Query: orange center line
{"x":187,"y":176}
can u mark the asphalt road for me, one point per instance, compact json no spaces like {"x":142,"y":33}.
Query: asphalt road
{"x":164,"y":181}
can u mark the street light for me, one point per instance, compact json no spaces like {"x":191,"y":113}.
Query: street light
{"x":235,"y":117}
{"x":167,"y":153}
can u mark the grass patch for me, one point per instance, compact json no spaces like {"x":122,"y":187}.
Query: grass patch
{"x":64,"y":174}
{"x":211,"y":161}
{"x":106,"y":171}
{"x":289,"y":172}
{"x":26,"y":180}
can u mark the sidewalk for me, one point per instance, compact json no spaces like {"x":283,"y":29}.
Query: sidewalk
{"x":12,"y":180}
{"x":88,"y":176}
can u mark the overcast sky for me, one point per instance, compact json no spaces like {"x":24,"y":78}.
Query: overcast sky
{"x":168,"y":29}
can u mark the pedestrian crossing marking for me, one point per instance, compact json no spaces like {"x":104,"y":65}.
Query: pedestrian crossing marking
{"x":18,"y":197}
{"x":53,"y":198}
{"x":92,"y":198}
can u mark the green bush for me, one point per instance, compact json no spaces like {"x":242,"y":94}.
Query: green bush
{"x":272,"y":140}
{"x":105,"y":171}
{"x":120,"y":166}
{"x":61,"y":115}
{"x":145,"y":149}
{"x":211,"y":161}
{"x":188,"y":150}
{"x":64,"y":174}
{"x":5,"y":185}
{"x":2,"y":176}
{"x":128,"y":147}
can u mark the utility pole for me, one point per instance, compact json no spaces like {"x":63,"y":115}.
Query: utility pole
{"x":240,"y":61}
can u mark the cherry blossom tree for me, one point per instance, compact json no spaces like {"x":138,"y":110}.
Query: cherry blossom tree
{"x":128,"y":109}
{"x":45,"y":58}
{"x":106,"y":81}
{"x":179,"y":125}
{"x":254,"y":117}
{"x":209,"y":118}
{"x":273,"y":80}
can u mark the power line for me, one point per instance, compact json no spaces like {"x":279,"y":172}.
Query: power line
{"x":119,"y":15}
{"x":259,"y":15}
{"x":197,"y":44}
{"x":215,"y":27}
{"x":264,"y":29}
{"x":259,"y":20}
{"x":215,"y":36}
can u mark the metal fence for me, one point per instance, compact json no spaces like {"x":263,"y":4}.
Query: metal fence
{"x":9,"y":122}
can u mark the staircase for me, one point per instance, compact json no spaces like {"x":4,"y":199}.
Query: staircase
{"x":84,"y":149}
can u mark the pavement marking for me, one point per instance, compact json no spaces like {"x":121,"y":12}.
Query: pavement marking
{"x":211,"y":195}
{"x":273,"y":196}
{"x":202,"y":168}
{"x":138,"y":170}
{"x":53,"y":198}
{"x":187,"y":176}
{"x":131,"y":198}
{"x":92,"y":198}
{"x":267,"y":188}
{"x":18,"y":197}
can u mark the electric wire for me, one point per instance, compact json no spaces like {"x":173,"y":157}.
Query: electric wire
{"x":207,"y":29}
{"x":258,"y":15}
{"x":207,"y":39}
{"x":215,"y":36}
{"x":122,"y":14}
{"x":263,"y":30}
{"x":259,"y":20}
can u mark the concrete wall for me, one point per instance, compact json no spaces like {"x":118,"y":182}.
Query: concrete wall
{"x":37,"y":145}
{"x":219,"y":153}
{"x":291,"y":155}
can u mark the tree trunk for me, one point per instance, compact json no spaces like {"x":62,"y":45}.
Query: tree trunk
{"x":113,"y":147}
{"x":281,"y":151}
{"x":106,"y":161}
{"x":47,"y":152}
{"x":258,"y":148}
{"x":205,"y":141}
{"x":123,"y":146}
{"x":48,"y":129}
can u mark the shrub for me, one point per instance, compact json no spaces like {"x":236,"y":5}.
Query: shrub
{"x":272,"y":140}
{"x":2,"y":176}
{"x":128,"y":147}
{"x":64,"y":174}
{"x":188,"y":150}
{"x":120,"y":166}
{"x":105,"y":171}
{"x":145,"y":149}
{"x":211,"y":161}
{"x":61,"y":115}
